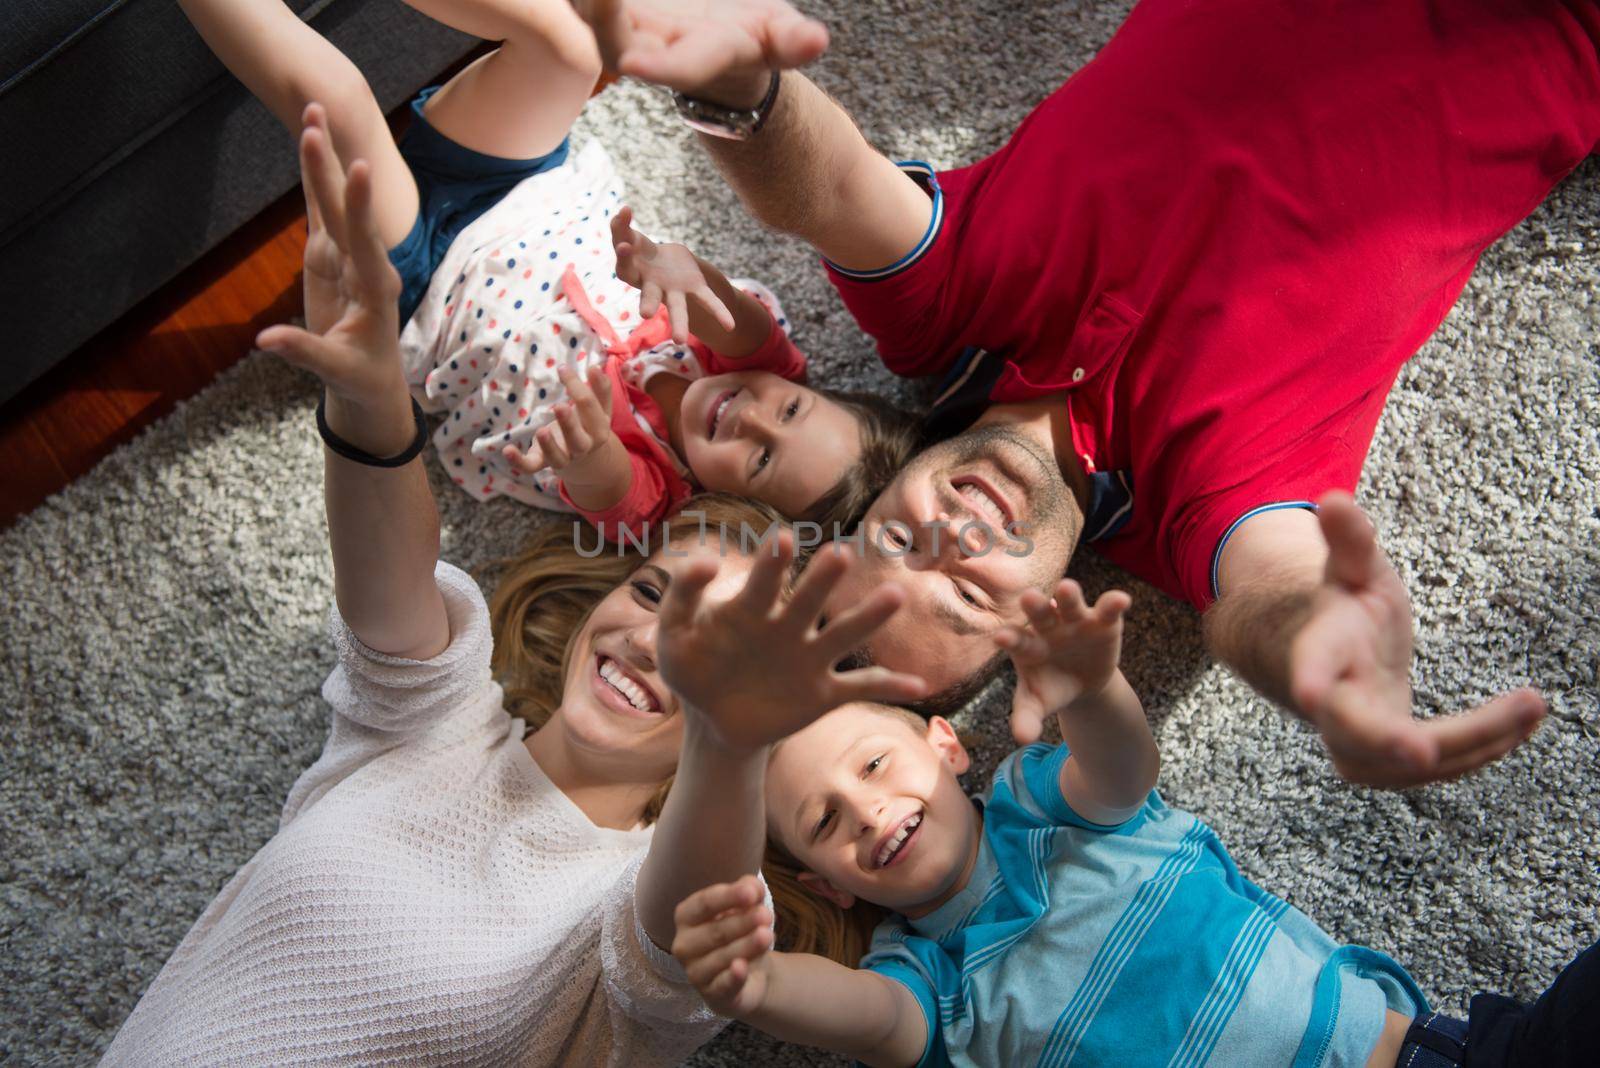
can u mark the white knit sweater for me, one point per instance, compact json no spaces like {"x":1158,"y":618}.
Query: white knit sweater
{"x":430,"y":898}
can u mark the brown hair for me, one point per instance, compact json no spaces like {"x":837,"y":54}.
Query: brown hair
{"x":546,"y":592}
{"x":890,"y":436}
{"x":809,"y":922}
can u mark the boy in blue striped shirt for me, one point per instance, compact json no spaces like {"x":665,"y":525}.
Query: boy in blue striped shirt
{"x":1070,"y":918}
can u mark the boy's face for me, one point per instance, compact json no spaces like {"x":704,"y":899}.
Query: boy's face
{"x":871,"y":807}
{"x":758,"y":435}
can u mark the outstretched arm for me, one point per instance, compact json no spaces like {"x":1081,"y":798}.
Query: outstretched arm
{"x":1066,"y":661}
{"x":382,"y":523}
{"x":749,"y":672}
{"x":724,"y":943}
{"x":699,"y":298}
{"x":1315,"y":617}
{"x":808,"y":171}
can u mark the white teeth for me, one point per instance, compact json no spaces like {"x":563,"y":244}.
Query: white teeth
{"x":716,"y":417}
{"x":985,"y":504}
{"x":627,"y":687}
{"x":891,"y":847}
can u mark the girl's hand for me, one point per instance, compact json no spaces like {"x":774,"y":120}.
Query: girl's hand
{"x":352,"y":340}
{"x":664,"y":271}
{"x":724,"y":942}
{"x":576,"y":444}
{"x":1069,"y":650}
{"x":757,"y":668}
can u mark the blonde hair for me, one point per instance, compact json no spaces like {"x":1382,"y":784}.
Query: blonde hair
{"x":546,"y":593}
{"x":809,"y":922}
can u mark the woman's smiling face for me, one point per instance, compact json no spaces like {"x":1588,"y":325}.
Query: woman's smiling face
{"x":614,"y":702}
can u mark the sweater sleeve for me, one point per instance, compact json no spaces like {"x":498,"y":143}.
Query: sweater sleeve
{"x":655,"y":1013}
{"x":392,"y":694}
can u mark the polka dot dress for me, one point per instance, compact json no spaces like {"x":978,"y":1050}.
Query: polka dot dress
{"x":528,"y":288}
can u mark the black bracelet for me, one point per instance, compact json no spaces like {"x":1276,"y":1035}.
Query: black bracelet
{"x":350,"y":452}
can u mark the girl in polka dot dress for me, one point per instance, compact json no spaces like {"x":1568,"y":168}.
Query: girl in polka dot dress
{"x":524,"y":327}
{"x":581,"y":366}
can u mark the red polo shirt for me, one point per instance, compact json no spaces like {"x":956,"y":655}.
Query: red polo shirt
{"x":1222,"y":237}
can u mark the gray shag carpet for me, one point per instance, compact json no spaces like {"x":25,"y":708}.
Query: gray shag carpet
{"x":163,"y":625}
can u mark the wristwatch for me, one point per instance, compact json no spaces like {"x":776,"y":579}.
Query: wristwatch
{"x":736,"y":124}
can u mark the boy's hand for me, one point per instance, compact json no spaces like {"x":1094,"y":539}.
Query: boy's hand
{"x":1069,"y":650}
{"x":724,"y":942}
{"x":667,"y":271}
{"x":757,"y":668}
{"x":577,"y":444}
{"x":352,"y":342}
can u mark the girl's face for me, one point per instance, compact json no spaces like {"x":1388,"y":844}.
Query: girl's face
{"x":871,"y":807}
{"x":614,"y":705}
{"x":761,"y":436}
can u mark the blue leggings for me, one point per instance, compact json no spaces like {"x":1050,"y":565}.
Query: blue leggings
{"x":1559,"y":1030}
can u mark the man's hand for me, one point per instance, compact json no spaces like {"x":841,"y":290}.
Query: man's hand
{"x":757,"y":668}
{"x":1350,"y":673}
{"x":1069,"y":650}
{"x":668,"y":272}
{"x":720,"y":50}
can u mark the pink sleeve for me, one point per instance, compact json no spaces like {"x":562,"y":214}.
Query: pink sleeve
{"x":777,"y":354}
{"x":648,"y":500}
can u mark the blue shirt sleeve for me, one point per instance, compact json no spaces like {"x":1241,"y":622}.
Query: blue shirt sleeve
{"x":892,"y":957}
{"x":1032,"y":776}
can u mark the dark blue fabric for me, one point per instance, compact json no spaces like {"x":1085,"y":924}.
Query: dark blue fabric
{"x":455,"y":185}
{"x":1434,"y":1041}
{"x":1559,"y":1030}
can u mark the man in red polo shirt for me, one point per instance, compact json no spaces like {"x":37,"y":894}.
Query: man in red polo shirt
{"x":1168,"y":312}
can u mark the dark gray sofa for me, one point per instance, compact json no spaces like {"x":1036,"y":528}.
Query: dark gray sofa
{"x":127,"y":151}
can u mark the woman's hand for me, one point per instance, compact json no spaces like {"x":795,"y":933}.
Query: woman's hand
{"x":667,"y":272}
{"x":1069,"y":650}
{"x":352,"y":338}
{"x":724,"y":942}
{"x":757,"y":668}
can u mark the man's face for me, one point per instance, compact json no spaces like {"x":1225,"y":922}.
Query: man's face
{"x":988,"y":481}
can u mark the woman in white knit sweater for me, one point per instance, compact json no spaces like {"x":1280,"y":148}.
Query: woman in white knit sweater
{"x":448,"y":885}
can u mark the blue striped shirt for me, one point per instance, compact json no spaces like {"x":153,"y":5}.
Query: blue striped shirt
{"x":1134,"y":945}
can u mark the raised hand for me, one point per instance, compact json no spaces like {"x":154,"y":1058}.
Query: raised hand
{"x":724,"y":941}
{"x":757,"y":668}
{"x":723,"y":50}
{"x":580,"y":445}
{"x":664,"y":271}
{"x":352,"y":338}
{"x":1069,"y":650}
{"x":1350,"y":673}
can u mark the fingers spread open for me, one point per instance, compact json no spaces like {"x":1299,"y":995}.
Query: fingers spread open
{"x":577,"y":438}
{"x":849,"y":629}
{"x":877,"y":684}
{"x":713,"y":304}
{"x":552,"y":446}
{"x":683,"y":596}
{"x":319,"y":169}
{"x":678,"y":316}
{"x":529,"y":463}
{"x":375,"y":273}
{"x":818,"y":580}
{"x":762,"y":588}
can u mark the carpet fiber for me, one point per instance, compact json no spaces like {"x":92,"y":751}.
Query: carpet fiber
{"x":164,"y":644}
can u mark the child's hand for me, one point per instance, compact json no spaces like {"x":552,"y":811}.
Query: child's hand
{"x":1069,"y":650}
{"x":723,"y":941}
{"x":576,"y":442}
{"x":664,"y":271}
{"x":757,"y":668}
